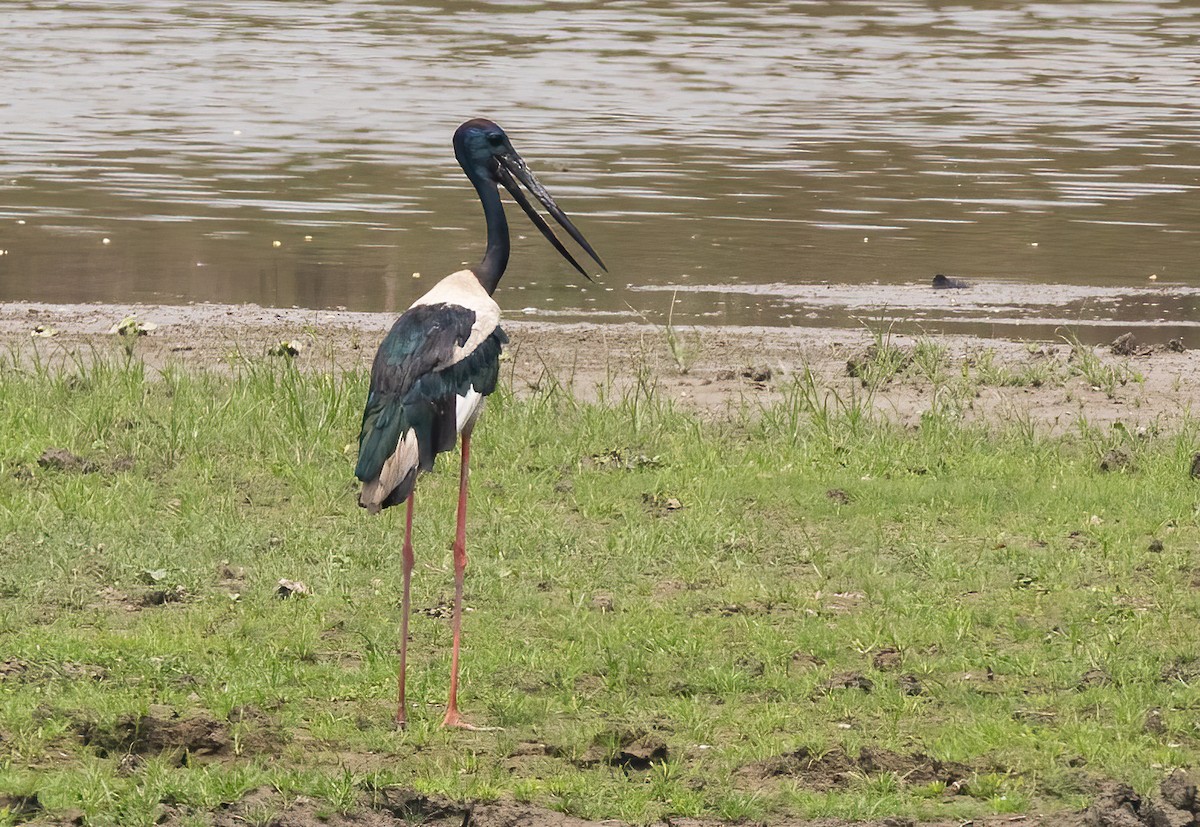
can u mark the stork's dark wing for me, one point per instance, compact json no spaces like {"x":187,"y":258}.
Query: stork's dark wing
{"x":414,"y":381}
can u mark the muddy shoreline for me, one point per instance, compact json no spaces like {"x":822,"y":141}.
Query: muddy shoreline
{"x":715,"y":371}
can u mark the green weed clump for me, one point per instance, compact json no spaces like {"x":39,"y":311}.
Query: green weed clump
{"x":801,"y":611}
{"x":1085,"y":363}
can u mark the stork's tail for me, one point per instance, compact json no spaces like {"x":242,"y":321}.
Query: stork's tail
{"x":396,"y":479}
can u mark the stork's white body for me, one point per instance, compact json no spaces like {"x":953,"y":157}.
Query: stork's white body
{"x":455,"y":294}
{"x":463,"y":289}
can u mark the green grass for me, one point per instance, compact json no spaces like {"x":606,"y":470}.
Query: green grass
{"x":1015,"y":578}
{"x":1087,"y":364}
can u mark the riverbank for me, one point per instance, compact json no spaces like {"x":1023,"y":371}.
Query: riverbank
{"x":1051,"y":384}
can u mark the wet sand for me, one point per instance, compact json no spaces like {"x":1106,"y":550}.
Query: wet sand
{"x":716,"y":371}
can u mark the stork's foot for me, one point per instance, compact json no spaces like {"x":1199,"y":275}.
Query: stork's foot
{"x":453,"y":719}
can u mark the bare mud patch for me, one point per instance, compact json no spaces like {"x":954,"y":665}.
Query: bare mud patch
{"x":845,"y":680}
{"x":632,"y":750}
{"x":182,"y":737}
{"x":20,"y":807}
{"x":836,"y":769}
{"x":135,"y":600}
{"x":1176,"y":803}
{"x":24,"y":671}
{"x":60,"y":459}
{"x":160,"y":730}
{"x":387,"y":807}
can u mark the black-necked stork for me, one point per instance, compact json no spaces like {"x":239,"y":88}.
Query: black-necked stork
{"x":439,"y":361}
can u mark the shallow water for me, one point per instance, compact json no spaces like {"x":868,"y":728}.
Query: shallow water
{"x":764,"y":163}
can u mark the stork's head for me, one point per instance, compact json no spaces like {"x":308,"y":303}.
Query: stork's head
{"x":486,"y":154}
{"x":478,"y":142}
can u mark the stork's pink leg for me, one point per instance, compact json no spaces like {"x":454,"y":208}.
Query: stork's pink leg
{"x":401,"y":709}
{"x":460,"y":566}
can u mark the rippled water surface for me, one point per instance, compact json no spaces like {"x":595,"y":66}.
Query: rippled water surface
{"x":754,"y":163}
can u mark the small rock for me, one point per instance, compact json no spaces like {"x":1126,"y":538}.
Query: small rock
{"x":1176,"y":345}
{"x":291,"y":588}
{"x":1127,"y":345}
{"x":910,"y":685}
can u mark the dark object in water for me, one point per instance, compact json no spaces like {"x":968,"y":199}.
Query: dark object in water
{"x":941,"y":282}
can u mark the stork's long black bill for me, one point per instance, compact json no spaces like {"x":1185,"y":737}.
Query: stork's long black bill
{"x":513,"y":165}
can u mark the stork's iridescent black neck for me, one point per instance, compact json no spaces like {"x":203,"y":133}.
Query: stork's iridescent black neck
{"x":495,"y":259}
{"x":487,"y":157}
